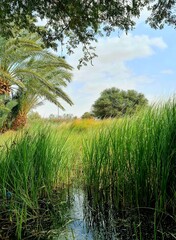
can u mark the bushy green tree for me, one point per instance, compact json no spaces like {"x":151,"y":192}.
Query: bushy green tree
{"x":114,"y":102}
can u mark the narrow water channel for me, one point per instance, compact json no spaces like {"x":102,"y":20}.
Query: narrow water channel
{"x":77,"y":228}
{"x":90,"y":224}
{"x":99,"y":220}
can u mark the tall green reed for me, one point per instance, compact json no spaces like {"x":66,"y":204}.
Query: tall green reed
{"x":30,"y":168}
{"x":133,"y":161}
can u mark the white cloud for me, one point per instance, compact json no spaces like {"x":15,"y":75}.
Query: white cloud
{"x":110,"y":69}
{"x":167,"y":71}
{"x":124,"y":48}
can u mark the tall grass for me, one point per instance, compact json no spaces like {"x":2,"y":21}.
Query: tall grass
{"x":30,"y":168}
{"x":125,"y":163}
{"x":133,"y":161}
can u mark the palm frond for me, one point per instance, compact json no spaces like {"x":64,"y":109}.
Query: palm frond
{"x":9,"y":77}
{"x":34,"y":71}
{"x":63,"y":95}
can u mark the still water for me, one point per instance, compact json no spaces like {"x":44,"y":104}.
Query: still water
{"x":77,"y":228}
{"x":94,"y":217}
{"x":90,"y":224}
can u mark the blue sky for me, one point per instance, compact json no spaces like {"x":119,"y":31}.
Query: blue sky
{"x":144,"y":60}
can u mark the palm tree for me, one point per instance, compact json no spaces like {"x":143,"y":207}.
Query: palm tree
{"x":25,"y":102}
{"x":6,"y":106}
{"x":29,"y":70}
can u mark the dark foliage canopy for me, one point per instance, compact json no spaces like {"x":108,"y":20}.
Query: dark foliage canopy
{"x":80,"y":21}
{"x":114,"y":102}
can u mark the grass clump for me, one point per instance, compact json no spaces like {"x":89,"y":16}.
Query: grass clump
{"x":133,"y":161}
{"x":29,"y":177}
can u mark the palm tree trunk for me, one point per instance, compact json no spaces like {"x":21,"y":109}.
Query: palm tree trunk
{"x":19,"y":121}
{"x":4,"y":87}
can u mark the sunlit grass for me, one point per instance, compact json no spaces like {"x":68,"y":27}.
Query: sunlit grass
{"x":30,"y":169}
{"x":129,"y":162}
{"x":133,"y":161}
{"x":6,"y":136}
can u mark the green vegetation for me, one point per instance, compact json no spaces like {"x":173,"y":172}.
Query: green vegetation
{"x":29,"y":73}
{"x":114,"y":102}
{"x":6,"y":106}
{"x":87,"y":115}
{"x":31,"y":170}
{"x":82,"y":22}
{"x":132,"y":162}
{"x":135,"y":159}
{"x":122,"y":164}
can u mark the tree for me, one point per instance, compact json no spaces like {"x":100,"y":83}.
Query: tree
{"x":82,"y":21}
{"x":25,"y":102}
{"x":29,"y":72}
{"x":117,"y":103}
{"x":6,"y":106}
{"x":87,"y":115}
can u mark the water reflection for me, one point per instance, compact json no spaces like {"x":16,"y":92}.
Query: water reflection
{"x":95,"y":217}
{"x":92,"y":220}
{"x":77,"y":228}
